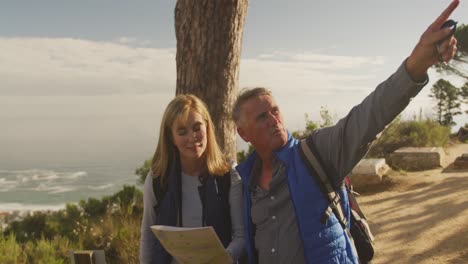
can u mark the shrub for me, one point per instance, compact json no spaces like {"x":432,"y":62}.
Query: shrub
{"x":94,"y":207}
{"x":43,"y":252}
{"x":10,"y":251}
{"x":413,"y":133}
{"x":111,"y":224}
{"x":32,"y":227}
{"x":143,"y":171}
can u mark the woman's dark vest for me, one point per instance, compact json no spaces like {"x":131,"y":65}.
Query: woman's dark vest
{"x":214,"y":196}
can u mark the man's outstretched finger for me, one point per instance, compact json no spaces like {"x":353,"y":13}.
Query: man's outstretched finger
{"x":444,"y":16}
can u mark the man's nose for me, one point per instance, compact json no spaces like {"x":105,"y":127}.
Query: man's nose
{"x":274,"y":119}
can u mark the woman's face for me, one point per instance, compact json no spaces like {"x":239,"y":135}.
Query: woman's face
{"x":190,"y":136}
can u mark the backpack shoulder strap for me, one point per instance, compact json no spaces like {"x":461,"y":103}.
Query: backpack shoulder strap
{"x":159,"y":192}
{"x":317,"y":171}
{"x":223,"y":183}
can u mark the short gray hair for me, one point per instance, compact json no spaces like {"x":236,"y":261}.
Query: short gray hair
{"x":245,"y":95}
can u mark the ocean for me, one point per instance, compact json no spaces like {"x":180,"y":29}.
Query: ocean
{"x":62,"y":149}
{"x":50,"y":181}
{"x":51,"y":188}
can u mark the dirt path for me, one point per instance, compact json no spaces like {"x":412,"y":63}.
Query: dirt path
{"x":421,"y":217}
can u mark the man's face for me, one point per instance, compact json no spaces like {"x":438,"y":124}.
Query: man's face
{"x":261,"y":124}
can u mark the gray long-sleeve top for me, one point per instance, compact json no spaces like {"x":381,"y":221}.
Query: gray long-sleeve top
{"x":148,"y":240}
{"x":343,"y":145}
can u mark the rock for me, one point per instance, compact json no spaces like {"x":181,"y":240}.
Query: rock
{"x":462,"y":134}
{"x":368,"y":172}
{"x":88,"y":256}
{"x":461,"y":162}
{"x":416,"y":159}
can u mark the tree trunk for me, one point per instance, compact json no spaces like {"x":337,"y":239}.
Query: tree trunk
{"x":209,"y":38}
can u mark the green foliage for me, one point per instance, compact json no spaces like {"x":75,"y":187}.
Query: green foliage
{"x":462,"y":41}
{"x":128,"y":201}
{"x":309,"y":127}
{"x":143,"y":170}
{"x":111,"y":223}
{"x":44,"y":251}
{"x":10,"y":251}
{"x":242,"y":155}
{"x":33,"y":227}
{"x":414,"y":133}
{"x":448,"y":99}
{"x":41,"y":251}
{"x":94,"y":207}
{"x":122,"y":248}
{"x":464,"y":94}
{"x":325,"y":120}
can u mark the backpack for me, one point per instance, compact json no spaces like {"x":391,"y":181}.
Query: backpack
{"x":359,"y":231}
{"x":223,"y":183}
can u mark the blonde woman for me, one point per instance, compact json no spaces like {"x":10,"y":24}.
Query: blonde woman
{"x":191,"y":183}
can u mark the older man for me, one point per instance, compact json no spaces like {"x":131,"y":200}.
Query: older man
{"x":282,"y":202}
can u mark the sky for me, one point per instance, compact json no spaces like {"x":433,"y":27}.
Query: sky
{"x":92,"y":78}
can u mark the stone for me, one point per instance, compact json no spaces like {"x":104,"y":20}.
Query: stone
{"x":461,"y":162}
{"x":462,"y":134}
{"x":416,"y":159}
{"x":88,"y":257}
{"x":368,"y":172}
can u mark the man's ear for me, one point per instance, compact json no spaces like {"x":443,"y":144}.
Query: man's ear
{"x":242,"y":134}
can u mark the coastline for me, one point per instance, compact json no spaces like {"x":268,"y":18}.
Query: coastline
{"x":10,"y":212}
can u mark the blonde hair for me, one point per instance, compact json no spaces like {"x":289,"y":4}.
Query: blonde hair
{"x":215,"y":162}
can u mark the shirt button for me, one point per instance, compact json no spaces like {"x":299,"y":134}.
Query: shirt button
{"x":273,"y":250}
{"x":272,"y":197}
{"x":273,"y":217}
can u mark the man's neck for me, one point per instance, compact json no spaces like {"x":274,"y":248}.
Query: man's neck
{"x":266,"y":175}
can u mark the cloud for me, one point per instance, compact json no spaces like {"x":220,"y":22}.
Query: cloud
{"x":318,"y":61}
{"x":63,"y":66}
{"x":127,"y":75}
{"x":309,"y":70}
{"x":69,"y":67}
{"x":303,"y":82}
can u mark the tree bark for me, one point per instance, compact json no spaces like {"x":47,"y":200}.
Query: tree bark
{"x":209,"y":39}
